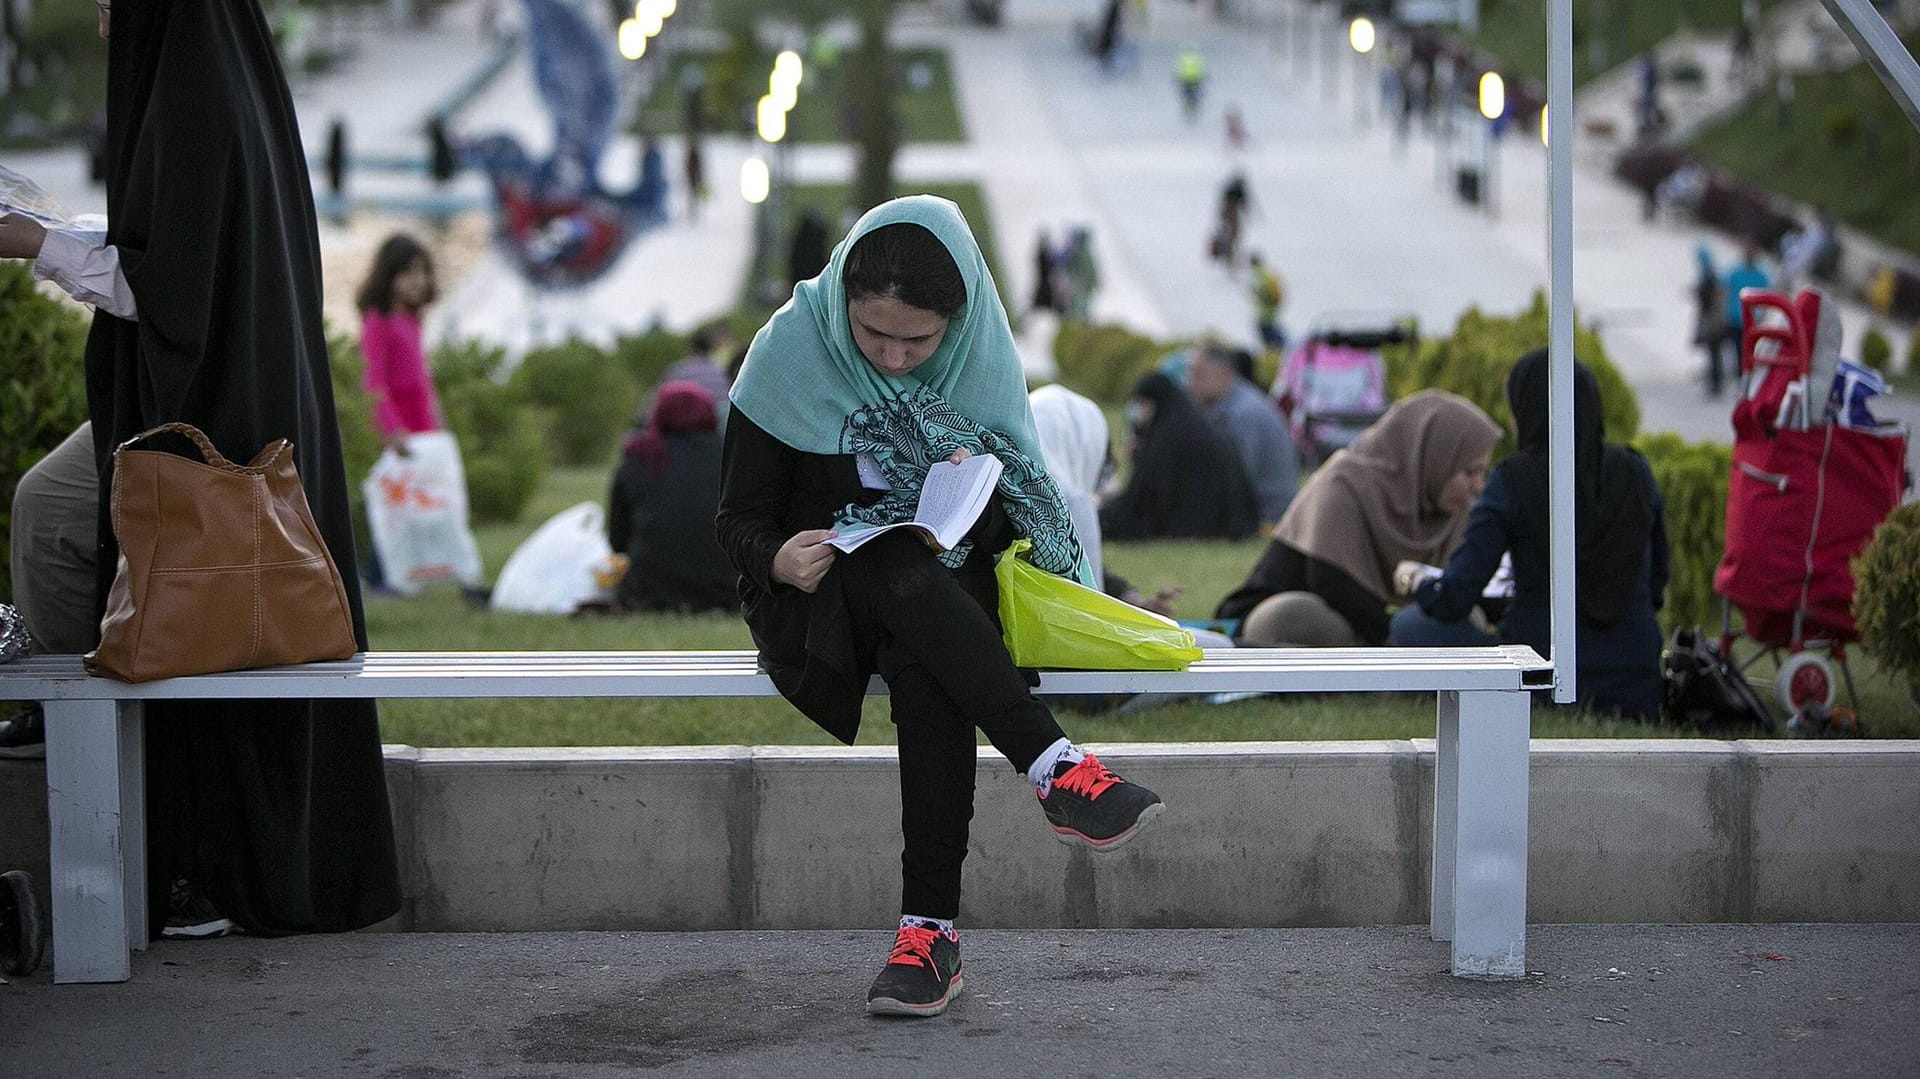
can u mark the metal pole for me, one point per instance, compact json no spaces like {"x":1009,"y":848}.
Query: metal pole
{"x":1882,"y":50}
{"x":1560,"y":344}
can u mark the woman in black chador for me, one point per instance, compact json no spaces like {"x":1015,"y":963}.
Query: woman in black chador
{"x":271,"y":815}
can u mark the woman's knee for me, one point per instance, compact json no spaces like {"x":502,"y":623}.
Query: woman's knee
{"x":1297,"y":620}
{"x":1412,"y":627}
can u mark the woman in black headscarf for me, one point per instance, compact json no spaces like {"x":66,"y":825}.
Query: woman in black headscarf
{"x":274,"y":814}
{"x":1621,"y":568}
{"x":1186,"y":477}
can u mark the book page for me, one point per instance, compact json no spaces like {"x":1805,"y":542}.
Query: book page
{"x":950,"y":501}
{"x":955,"y":494}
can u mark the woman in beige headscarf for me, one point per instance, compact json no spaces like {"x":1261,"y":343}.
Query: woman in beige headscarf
{"x":1401,"y":491}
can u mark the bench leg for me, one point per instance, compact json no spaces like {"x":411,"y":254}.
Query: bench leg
{"x":96,"y":808}
{"x":1485,"y":749}
{"x":1446,"y":812}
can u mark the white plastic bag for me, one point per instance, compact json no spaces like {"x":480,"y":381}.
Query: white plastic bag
{"x":553,"y":571}
{"x":417,"y":512}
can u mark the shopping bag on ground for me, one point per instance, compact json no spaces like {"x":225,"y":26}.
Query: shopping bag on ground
{"x":417,"y":513}
{"x":1049,"y":621}
{"x":553,"y":572}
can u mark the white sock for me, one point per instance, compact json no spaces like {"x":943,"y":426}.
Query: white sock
{"x":915,"y":921}
{"x":1040,"y":774}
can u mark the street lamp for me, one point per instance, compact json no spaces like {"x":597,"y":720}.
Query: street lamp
{"x":755,"y":182}
{"x":1493,"y":95}
{"x":1360,"y":34}
{"x":771,"y":119}
{"x":1493,"y":103}
{"x":633,"y":40}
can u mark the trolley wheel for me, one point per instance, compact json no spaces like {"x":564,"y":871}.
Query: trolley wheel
{"x":23,"y":929}
{"x":1805,"y":678}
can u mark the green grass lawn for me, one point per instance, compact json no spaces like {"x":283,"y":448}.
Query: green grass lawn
{"x":1516,"y":30}
{"x":925,"y":104}
{"x":440,"y":619}
{"x":1845,"y":145}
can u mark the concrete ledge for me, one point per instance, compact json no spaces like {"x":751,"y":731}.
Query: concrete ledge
{"x":1258,"y":834}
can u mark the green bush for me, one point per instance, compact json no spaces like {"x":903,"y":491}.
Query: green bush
{"x":1692,"y":477}
{"x":645,"y":356}
{"x":353,"y":408}
{"x":1875,"y":350}
{"x":586,"y":396}
{"x":43,"y":392}
{"x":1473,"y":362}
{"x":1843,"y":126}
{"x":1913,"y":352}
{"x":1103,"y":361}
{"x":500,"y":437}
{"x":1886,"y":593}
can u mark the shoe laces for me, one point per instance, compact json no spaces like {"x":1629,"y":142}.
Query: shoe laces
{"x":1088,"y":778}
{"x":914,"y":946}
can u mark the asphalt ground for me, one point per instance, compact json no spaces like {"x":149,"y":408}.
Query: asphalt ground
{"x":1700,"y":1001}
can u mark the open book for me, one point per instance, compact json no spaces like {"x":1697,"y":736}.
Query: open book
{"x":950,"y":501}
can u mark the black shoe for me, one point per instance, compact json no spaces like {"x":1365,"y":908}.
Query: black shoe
{"x":921,"y":976}
{"x":1089,"y":804}
{"x":24,"y":737}
{"x":191,"y":917}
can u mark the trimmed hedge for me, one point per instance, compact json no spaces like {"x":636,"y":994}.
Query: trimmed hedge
{"x":1692,"y":477}
{"x":353,"y":409}
{"x":586,"y":397}
{"x":43,"y":391}
{"x":645,"y":357}
{"x":500,"y":436}
{"x":1886,"y":593}
{"x":1474,"y":360}
{"x":1102,"y":360}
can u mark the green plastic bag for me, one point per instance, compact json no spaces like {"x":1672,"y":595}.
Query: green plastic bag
{"x":1050,"y":621}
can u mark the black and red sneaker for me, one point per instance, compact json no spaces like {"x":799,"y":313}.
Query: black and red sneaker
{"x":921,"y":977}
{"x":1089,"y":804}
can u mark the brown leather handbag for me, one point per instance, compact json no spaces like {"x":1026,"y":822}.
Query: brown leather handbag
{"x":221,"y":566}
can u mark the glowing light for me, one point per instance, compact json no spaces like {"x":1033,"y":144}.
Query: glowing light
{"x":785,"y":94}
{"x":787,"y":66}
{"x":1493,"y":95}
{"x":649,"y":17}
{"x":633,"y":43}
{"x":667,"y":7}
{"x":1543,"y":125}
{"x":755,"y":181}
{"x":772,"y":119}
{"x":1360,"y":34}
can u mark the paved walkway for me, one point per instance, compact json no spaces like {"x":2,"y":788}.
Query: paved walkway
{"x":1706,"y":1002}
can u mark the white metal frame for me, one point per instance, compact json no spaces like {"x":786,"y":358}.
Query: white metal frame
{"x":95,"y":758}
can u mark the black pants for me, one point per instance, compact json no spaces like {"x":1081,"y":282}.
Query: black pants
{"x":937,"y":633}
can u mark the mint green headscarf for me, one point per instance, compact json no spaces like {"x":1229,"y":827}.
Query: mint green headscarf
{"x":806,"y":383}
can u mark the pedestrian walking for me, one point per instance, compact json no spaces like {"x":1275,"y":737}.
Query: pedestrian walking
{"x":1190,"y":75}
{"x":1268,"y":294}
{"x":696,"y":173}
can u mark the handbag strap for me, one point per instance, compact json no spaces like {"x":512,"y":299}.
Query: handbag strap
{"x":190,"y":433}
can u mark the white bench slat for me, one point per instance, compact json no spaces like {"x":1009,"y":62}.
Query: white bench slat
{"x":734,"y":674}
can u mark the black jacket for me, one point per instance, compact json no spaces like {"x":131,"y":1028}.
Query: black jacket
{"x":808,"y":642}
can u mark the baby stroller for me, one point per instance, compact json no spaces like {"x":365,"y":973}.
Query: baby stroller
{"x":1811,"y":479}
{"x":1334,"y":383}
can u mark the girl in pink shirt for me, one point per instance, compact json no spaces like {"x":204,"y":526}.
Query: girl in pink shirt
{"x":397,"y":288}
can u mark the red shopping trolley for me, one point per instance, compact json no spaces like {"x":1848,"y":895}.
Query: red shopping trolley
{"x":1805,"y":492}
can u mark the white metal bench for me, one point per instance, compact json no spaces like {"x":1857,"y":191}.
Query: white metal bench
{"x":96,"y":795}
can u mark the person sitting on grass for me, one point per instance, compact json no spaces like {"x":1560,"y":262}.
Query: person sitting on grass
{"x":1399,"y":493}
{"x":1622,"y":557}
{"x":664,"y":493}
{"x":896,"y":357}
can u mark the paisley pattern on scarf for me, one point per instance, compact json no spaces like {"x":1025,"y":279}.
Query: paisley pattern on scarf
{"x":916,"y":430}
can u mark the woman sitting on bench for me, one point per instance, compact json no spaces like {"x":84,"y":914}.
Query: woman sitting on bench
{"x":896,"y":357}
